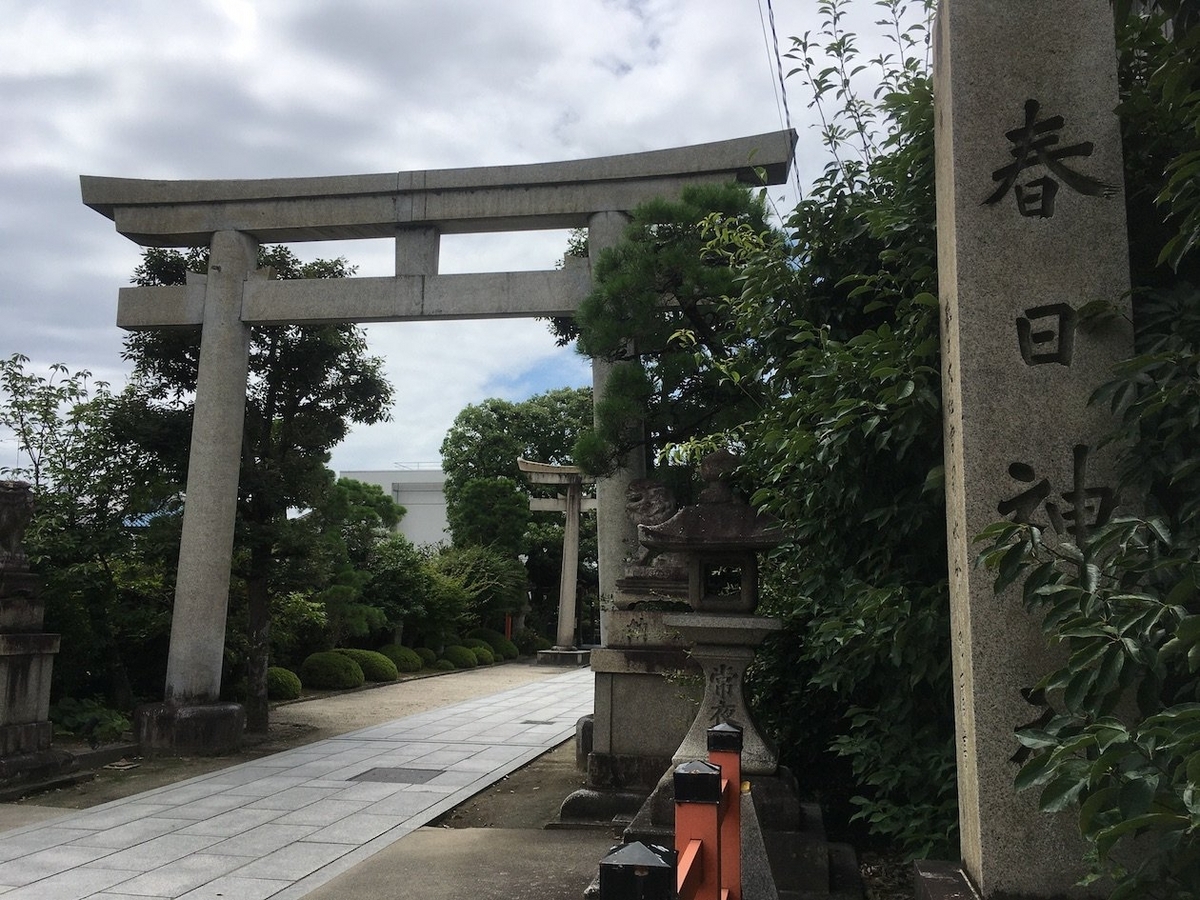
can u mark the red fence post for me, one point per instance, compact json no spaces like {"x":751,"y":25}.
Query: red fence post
{"x":697,"y":818}
{"x":725,"y":751}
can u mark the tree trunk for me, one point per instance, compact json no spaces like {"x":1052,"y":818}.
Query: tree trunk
{"x":259,"y":599}
{"x":119,"y":689}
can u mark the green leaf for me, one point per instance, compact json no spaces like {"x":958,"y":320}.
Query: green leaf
{"x":1136,"y":796}
{"x":1098,"y":803}
{"x":1061,"y":793}
{"x":1037,"y":771}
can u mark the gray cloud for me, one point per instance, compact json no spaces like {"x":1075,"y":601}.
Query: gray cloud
{"x":233,"y":88}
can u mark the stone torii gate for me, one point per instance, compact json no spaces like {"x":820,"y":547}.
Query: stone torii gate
{"x":572,"y":503}
{"x":413,"y":208}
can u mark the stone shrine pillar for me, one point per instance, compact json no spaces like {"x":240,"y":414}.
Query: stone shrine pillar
{"x":191,"y":719}
{"x":1031,"y":227}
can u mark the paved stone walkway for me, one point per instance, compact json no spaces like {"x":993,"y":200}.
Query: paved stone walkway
{"x":282,"y":825}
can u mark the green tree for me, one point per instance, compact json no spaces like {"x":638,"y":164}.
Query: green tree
{"x":330,"y":549}
{"x":490,"y":512}
{"x":495,"y":583}
{"x":486,"y":438}
{"x":106,"y":517}
{"x":815,"y":353}
{"x":401,"y":585}
{"x":359,"y":514}
{"x":656,"y":308}
{"x":487,"y":497}
{"x":307,"y":385}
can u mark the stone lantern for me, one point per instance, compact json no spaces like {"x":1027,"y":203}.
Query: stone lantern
{"x":720,"y":539}
{"x":26,"y":654}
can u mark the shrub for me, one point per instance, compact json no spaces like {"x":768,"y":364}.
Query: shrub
{"x":505,"y":649}
{"x":405,"y":658}
{"x":461,"y":656}
{"x":443,"y":665}
{"x":428,"y":657}
{"x":474,"y":642}
{"x":375,"y":666}
{"x":529,"y":642}
{"x":483,"y":655}
{"x":329,"y":670}
{"x":282,"y":684}
{"x":501,"y":646}
{"x":88,"y":719}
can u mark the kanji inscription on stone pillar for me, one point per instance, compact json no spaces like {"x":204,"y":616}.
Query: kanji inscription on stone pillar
{"x":1031,"y":228}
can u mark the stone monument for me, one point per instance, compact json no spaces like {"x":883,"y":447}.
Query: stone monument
{"x":1031,"y":228}
{"x":26,"y":653}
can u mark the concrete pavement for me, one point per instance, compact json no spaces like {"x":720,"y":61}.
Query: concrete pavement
{"x":285,"y":825}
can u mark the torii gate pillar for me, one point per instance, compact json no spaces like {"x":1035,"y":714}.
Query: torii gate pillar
{"x":191,"y":718}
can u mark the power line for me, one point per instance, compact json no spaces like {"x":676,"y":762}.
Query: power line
{"x":780,"y":84}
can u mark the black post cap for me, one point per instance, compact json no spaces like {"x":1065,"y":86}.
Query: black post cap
{"x":637,"y":871}
{"x":697,"y":782}
{"x":725,"y":737}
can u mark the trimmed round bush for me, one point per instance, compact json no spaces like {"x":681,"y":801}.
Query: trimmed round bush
{"x":505,"y":649}
{"x":328,"y":670}
{"x":473,"y":642}
{"x":282,"y":684}
{"x":375,"y":666}
{"x":529,"y":641}
{"x":405,"y":658}
{"x":501,"y":647}
{"x":483,"y":655}
{"x":443,"y":665}
{"x":428,"y":657}
{"x":461,"y":656}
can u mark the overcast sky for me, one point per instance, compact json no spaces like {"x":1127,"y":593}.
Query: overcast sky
{"x":258,"y":89}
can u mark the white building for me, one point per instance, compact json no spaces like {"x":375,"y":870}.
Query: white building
{"x":418,"y":488}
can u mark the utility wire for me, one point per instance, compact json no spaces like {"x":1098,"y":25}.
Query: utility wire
{"x":780,"y":84}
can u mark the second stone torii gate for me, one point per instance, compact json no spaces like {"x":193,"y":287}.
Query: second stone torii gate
{"x":572,"y":503}
{"x":233,"y":217}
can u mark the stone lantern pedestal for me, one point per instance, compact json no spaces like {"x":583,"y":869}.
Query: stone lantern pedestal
{"x":26,"y":653}
{"x":723,"y":646}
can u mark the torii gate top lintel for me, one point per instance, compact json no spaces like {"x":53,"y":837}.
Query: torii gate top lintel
{"x":536,"y":196}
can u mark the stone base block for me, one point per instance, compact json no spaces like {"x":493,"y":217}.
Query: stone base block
{"x":590,"y":807}
{"x":36,"y":766}
{"x":29,"y":737}
{"x":21,"y":610}
{"x":936,"y":880}
{"x":571,"y":658}
{"x":210,"y":729}
{"x":26,"y":664}
{"x":625,"y":772}
{"x":585,"y":729}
